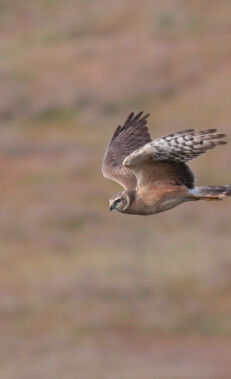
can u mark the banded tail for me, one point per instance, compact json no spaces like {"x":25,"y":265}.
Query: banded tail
{"x":210,"y":192}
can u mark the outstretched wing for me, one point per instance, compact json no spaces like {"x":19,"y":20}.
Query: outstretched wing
{"x":160,"y":159}
{"x":127,"y":138}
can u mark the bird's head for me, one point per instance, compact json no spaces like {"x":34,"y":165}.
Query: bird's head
{"x":121,"y":201}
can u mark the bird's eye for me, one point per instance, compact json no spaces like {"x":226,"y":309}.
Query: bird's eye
{"x":118,"y":201}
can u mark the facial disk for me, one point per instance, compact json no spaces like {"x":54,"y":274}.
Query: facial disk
{"x":119,"y":201}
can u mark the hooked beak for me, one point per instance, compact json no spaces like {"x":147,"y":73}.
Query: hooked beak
{"x":111,"y":206}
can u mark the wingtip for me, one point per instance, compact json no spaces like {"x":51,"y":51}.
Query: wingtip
{"x":221,"y":142}
{"x":146,"y":116}
{"x":219,"y":135}
{"x":139,"y":114}
{"x":137,"y":117}
{"x":130,"y":117}
{"x":208,"y":131}
{"x":134,"y":117}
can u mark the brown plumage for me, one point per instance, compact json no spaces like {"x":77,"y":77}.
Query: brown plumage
{"x":154,"y":173}
{"x":126,"y":139}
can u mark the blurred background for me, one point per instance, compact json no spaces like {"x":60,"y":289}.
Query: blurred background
{"x":85,"y":293}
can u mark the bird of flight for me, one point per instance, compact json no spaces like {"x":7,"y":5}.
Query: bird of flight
{"x":154,"y":173}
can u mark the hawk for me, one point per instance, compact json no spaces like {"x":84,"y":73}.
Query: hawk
{"x":154,"y":173}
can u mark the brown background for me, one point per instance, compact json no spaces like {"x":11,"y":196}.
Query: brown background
{"x":85,"y":293}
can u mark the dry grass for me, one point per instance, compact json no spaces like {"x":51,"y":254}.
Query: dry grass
{"x":85,"y":293}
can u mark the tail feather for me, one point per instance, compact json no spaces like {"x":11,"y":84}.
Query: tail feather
{"x":210,"y":192}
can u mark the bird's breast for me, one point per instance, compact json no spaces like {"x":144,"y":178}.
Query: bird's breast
{"x":155,"y":199}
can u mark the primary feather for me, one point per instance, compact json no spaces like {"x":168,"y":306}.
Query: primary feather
{"x":178,"y":147}
{"x":126,"y":139}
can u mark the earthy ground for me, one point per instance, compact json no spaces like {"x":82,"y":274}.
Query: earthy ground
{"x":85,"y":293}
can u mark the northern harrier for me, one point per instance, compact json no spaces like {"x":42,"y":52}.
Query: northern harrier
{"x":154,"y":173}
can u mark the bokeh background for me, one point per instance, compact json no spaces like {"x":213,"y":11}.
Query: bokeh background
{"x":85,"y":293}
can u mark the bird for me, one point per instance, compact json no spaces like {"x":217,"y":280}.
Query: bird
{"x":154,"y":173}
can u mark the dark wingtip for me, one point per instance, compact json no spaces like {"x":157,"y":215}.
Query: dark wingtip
{"x":208,"y":131}
{"x":136,"y":118}
{"x":221,"y":142}
{"x":133,"y":120}
{"x":220,"y":135}
{"x":139,"y":119}
{"x":146,"y":116}
{"x":129,"y":119}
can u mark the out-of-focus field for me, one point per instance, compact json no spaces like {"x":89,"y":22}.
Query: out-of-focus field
{"x":85,"y":293}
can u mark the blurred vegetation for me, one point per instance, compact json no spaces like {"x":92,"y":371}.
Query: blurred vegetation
{"x":82,"y":290}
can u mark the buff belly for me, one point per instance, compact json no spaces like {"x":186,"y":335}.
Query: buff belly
{"x":157,"y":204}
